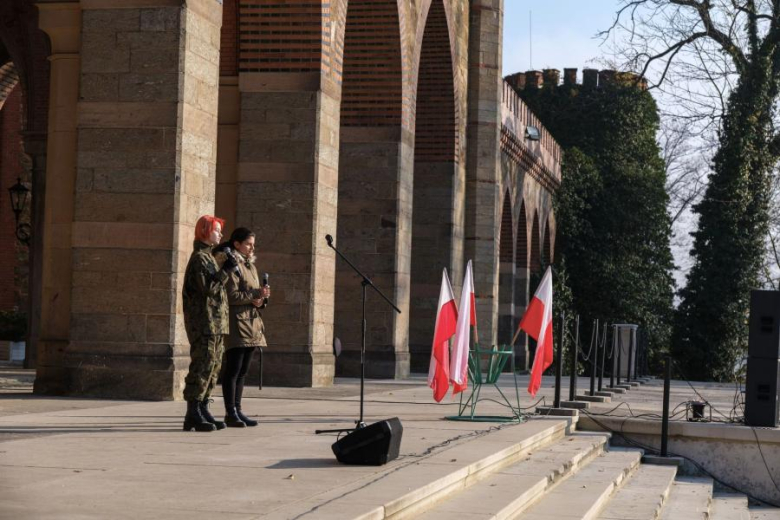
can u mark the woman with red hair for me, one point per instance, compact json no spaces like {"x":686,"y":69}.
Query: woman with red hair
{"x":206,"y":321}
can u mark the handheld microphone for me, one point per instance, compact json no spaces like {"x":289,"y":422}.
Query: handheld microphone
{"x":329,"y":240}
{"x":265,"y":282}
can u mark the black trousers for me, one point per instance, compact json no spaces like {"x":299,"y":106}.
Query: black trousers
{"x":237,"y":362}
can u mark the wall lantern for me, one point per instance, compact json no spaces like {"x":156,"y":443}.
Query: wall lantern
{"x":19,"y":195}
{"x":532,"y":133}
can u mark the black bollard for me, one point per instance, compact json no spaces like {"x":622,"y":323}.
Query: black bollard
{"x":603,"y":356}
{"x":612,"y":357}
{"x":594,"y":357}
{"x":559,"y":363}
{"x":630,"y":356}
{"x":574,"y":356}
{"x":619,"y":353}
{"x":665,"y":418}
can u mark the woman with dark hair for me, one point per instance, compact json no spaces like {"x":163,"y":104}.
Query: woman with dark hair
{"x":246,"y":296}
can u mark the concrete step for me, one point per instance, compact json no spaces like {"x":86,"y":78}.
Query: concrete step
{"x":643,"y":496}
{"x":764,"y":513}
{"x":689,"y":500}
{"x":729,"y":507}
{"x":514,"y":488}
{"x":585,"y":493}
{"x":579,"y":405}
{"x":594,"y":398}
{"x":415,"y":483}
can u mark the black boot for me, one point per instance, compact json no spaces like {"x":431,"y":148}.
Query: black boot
{"x":195,"y":421}
{"x":204,"y":411}
{"x":239,"y":393}
{"x":233,"y":420}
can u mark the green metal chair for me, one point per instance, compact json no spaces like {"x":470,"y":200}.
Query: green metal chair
{"x":485,"y":368}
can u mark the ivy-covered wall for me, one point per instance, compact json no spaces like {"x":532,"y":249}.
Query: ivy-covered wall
{"x":613,"y":227}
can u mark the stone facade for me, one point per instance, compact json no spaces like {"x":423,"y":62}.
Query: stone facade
{"x":385,"y":124}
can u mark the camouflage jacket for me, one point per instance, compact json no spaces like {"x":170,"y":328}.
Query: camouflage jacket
{"x":204,"y":297}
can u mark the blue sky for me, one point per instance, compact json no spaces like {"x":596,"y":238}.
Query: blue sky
{"x":563,"y":32}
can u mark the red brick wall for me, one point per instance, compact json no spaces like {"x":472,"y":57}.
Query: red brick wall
{"x":228,"y":54}
{"x":436,"y":131}
{"x":10,"y":169}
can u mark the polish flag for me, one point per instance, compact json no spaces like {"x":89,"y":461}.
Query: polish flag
{"x":537,"y":323}
{"x":446,"y":319}
{"x":459,"y":364}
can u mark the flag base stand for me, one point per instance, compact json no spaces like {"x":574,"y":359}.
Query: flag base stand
{"x":485,"y":368}
{"x":557,"y":412}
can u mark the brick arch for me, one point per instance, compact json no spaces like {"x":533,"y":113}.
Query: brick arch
{"x":229,"y":39}
{"x":289,"y":36}
{"x":436,"y":118}
{"x":29,"y":48}
{"x":535,"y":260}
{"x":506,"y":242}
{"x":435,"y":225}
{"x":374,"y":187}
{"x":521,"y":255}
{"x":433,"y":66}
{"x":372,"y":88}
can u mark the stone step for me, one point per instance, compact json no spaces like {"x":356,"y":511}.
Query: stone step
{"x":557,"y":412}
{"x":514,"y":488}
{"x":689,"y":500}
{"x":764,"y":513}
{"x":585,"y":493}
{"x":579,"y":405}
{"x":643,"y":496}
{"x":729,"y":506}
{"x":594,"y":398}
{"x":414,"y":483}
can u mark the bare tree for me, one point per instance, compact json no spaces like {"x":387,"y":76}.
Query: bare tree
{"x":717,"y":64}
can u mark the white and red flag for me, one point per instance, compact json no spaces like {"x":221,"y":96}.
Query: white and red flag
{"x":446,"y":320}
{"x":467,"y":317}
{"x":537,"y":323}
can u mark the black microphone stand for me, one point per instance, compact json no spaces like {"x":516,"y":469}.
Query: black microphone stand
{"x":365,"y":283}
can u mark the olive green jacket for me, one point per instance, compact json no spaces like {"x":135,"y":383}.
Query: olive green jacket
{"x":204,"y":297}
{"x":246,"y":320}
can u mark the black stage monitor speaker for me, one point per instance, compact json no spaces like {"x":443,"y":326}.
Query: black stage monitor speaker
{"x":373,"y":445}
{"x":762,"y":403}
{"x":764,"y":338}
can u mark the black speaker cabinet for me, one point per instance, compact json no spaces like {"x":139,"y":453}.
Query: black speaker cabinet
{"x":764,"y":338}
{"x":374,"y":445}
{"x":762,"y":403}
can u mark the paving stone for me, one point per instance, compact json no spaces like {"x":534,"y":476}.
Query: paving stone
{"x":730,"y":507}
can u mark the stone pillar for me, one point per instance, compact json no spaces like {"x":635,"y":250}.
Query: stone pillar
{"x":227,"y":150}
{"x":521,"y":303}
{"x":147,"y":132}
{"x":34,"y":144}
{"x":375,"y":212}
{"x":483,"y":169}
{"x":287,"y":189}
{"x":61,"y":21}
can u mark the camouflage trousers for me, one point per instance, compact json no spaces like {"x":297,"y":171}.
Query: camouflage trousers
{"x":206,"y":360}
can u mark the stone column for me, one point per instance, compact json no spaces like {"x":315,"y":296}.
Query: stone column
{"x":34,"y":144}
{"x":61,"y":21}
{"x":483,"y":169}
{"x":375,"y":232}
{"x":147,"y":132}
{"x":287,"y":189}
{"x":227,"y":149}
